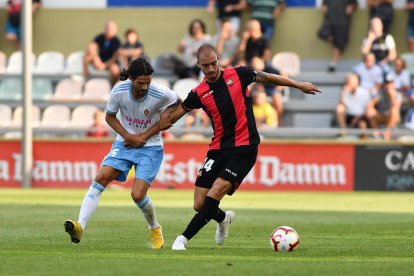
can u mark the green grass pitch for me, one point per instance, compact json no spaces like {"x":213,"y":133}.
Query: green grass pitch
{"x":360,"y":233}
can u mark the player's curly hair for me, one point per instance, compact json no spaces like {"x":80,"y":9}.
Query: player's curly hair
{"x":137,"y":67}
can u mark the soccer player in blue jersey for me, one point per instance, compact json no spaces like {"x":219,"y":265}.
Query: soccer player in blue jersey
{"x":224,"y":96}
{"x":140,"y":103}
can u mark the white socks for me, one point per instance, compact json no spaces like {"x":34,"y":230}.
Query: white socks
{"x":147,"y":208}
{"x":90,"y":202}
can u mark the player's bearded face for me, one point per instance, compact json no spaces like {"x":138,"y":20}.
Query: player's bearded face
{"x":141,"y":85}
{"x":209,"y":65}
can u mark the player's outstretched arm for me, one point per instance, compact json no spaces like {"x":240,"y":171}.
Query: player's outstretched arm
{"x":167,"y":119}
{"x":306,"y":87}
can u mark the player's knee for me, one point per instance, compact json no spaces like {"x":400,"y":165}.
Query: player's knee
{"x":198,"y":206}
{"x":220,"y":189}
{"x":137,"y":195}
{"x":101,"y":179}
{"x":340,"y":108}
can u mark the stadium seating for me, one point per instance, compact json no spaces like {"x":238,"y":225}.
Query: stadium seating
{"x":3,"y":62}
{"x":161,"y":81}
{"x":11,"y":89}
{"x":184,"y":86}
{"x":18,"y":116}
{"x":42,"y":89}
{"x":68,"y":90}
{"x":74,"y":63}
{"x":312,"y":120}
{"x":82,"y":116}
{"x":287,"y":62}
{"x":15,"y":62}
{"x":165,"y":63}
{"x":56,"y":116}
{"x":409,"y":61}
{"x":5,"y":115}
{"x":50,"y":62}
{"x":330,"y":98}
{"x":97,"y":89}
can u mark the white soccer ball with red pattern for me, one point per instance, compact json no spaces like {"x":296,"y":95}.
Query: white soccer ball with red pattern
{"x":284,"y":239}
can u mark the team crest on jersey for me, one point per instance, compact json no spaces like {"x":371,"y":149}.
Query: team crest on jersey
{"x":147,"y":112}
{"x":229,"y":82}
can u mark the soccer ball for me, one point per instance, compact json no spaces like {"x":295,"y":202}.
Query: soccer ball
{"x":284,"y":239}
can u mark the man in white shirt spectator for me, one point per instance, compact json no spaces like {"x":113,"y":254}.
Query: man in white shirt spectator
{"x":352,"y":105}
{"x":370,"y":75}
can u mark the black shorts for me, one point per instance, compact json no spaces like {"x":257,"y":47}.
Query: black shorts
{"x":231,"y":164}
{"x":340,"y":36}
{"x":349,"y":118}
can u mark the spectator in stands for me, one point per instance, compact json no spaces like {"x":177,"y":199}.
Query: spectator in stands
{"x":101,"y":52}
{"x":227,"y":9}
{"x":275,"y":92}
{"x":402,"y":85}
{"x":370,"y":74}
{"x":253,"y":43}
{"x":401,"y":76}
{"x":13,"y":21}
{"x":379,"y":43}
{"x":353,"y":104}
{"x":132,"y":47}
{"x":195,"y":117}
{"x":383,"y":10}
{"x":409,"y":120}
{"x":188,"y":46}
{"x":266,"y":12}
{"x":384,"y":108}
{"x":227,"y":44}
{"x":264,"y":113}
{"x":99,"y":127}
{"x":410,"y":25}
{"x":336,"y":25}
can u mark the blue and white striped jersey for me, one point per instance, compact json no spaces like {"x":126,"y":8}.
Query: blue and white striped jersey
{"x":138,"y":116}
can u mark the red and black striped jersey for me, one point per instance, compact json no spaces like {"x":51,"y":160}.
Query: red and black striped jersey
{"x":228,"y":104}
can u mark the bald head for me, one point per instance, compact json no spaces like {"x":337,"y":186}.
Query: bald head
{"x":111,"y":29}
{"x":206,"y":49}
{"x":254,"y":28}
{"x":208,"y":62}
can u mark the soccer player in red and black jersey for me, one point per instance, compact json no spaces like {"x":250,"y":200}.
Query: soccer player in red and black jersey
{"x":224,"y":96}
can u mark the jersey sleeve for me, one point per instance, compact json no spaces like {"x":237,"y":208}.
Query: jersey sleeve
{"x":247,"y":76}
{"x":112,"y":106}
{"x":170,"y":98}
{"x":192,"y":102}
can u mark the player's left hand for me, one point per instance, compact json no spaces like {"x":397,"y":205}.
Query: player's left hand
{"x":135,"y":141}
{"x":309,"y":88}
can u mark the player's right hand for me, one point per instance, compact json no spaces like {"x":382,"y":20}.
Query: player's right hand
{"x":309,"y":88}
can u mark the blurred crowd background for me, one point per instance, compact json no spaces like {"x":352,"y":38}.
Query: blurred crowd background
{"x":360,"y":53}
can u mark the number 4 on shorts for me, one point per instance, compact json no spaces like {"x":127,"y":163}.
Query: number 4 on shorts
{"x":208,"y":163}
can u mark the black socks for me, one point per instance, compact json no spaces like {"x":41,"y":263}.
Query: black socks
{"x":209,"y":211}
